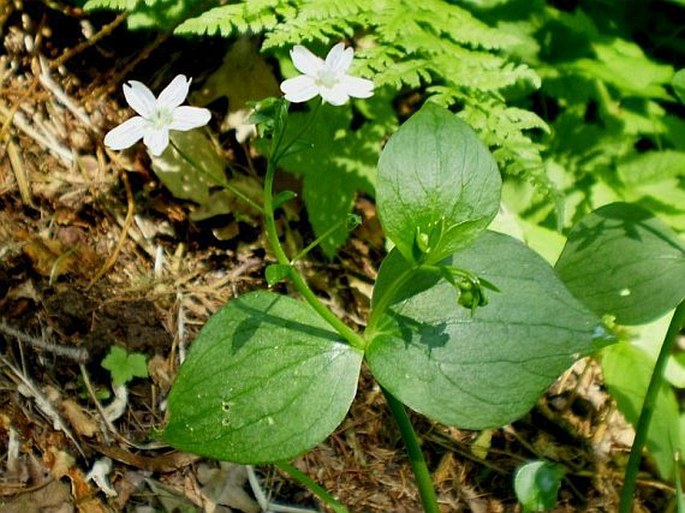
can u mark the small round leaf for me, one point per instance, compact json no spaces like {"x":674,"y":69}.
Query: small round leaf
{"x":536,"y":484}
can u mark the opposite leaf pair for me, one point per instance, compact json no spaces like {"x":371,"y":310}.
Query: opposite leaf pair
{"x":268,"y":379}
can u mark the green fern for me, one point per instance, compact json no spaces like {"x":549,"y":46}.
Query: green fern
{"x":250,"y":17}
{"x":433,"y":46}
{"x":116,"y":5}
{"x":436,"y":45}
{"x":407,"y":45}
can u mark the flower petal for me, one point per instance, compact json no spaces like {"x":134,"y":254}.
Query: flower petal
{"x":186,"y":118}
{"x":156,"y":140}
{"x":127,"y":134}
{"x":305,"y":61}
{"x":357,"y":87}
{"x":175,"y":93}
{"x":336,"y":95}
{"x":299,"y":89}
{"x":339,"y":58}
{"x":140,"y":98}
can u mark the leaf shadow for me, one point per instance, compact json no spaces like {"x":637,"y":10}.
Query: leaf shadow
{"x":426,"y":335}
{"x":247,"y":328}
{"x":624,"y":219}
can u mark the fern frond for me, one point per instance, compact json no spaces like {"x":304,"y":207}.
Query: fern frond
{"x":403,"y":21}
{"x":253,"y":16}
{"x":319,"y":20}
{"x":506,"y":129}
{"x":302,"y":30}
{"x":411,"y":73}
{"x":116,"y":5}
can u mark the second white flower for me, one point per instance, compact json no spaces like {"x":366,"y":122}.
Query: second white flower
{"x":326,"y":78}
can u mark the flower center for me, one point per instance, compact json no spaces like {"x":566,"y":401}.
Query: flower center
{"x":161,"y":118}
{"x":326,"y":78}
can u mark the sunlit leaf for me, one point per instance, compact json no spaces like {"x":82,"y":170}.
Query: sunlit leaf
{"x":627,"y":371}
{"x":265,"y":380}
{"x":488,"y":368}
{"x":622,"y":261}
{"x":438,"y":185}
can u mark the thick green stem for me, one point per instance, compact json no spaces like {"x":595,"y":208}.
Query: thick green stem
{"x":418,"y":464}
{"x":642,"y":428}
{"x":312,"y":486}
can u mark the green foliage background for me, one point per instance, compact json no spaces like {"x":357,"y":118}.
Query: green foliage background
{"x":573,"y":97}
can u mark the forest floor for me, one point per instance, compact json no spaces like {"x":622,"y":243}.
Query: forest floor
{"x":95,"y":253}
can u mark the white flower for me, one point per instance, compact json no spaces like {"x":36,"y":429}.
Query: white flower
{"x":327,"y":78}
{"x":157,"y":116}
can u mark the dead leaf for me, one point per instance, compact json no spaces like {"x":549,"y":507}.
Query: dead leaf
{"x":160,"y":372}
{"x":52,"y":258}
{"x":225,"y":486}
{"x":164,"y":463}
{"x":82,"y":423}
{"x":53,"y":497}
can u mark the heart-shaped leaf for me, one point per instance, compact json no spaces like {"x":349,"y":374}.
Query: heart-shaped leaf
{"x":623,"y":261}
{"x":489,"y":368}
{"x":265,"y":380}
{"x":438,"y":185}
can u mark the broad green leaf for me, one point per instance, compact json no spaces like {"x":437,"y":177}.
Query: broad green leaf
{"x":649,"y":338}
{"x":438,"y":185}
{"x":124,"y":366}
{"x":665,"y":199}
{"x":537,"y":484}
{"x":395,"y":268}
{"x":624,"y":65}
{"x":265,"y":380}
{"x":489,"y":368}
{"x":622,"y":261}
{"x":627,"y":371}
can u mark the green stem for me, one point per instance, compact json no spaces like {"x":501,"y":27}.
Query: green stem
{"x":312,"y":486}
{"x":298,"y":281}
{"x":418,"y":464}
{"x":318,"y":240}
{"x":642,"y":428}
{"x":214,"y":179}
{"x":278,"y":152}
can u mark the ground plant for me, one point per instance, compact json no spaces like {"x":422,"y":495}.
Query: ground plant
{"x":525,"y":163}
